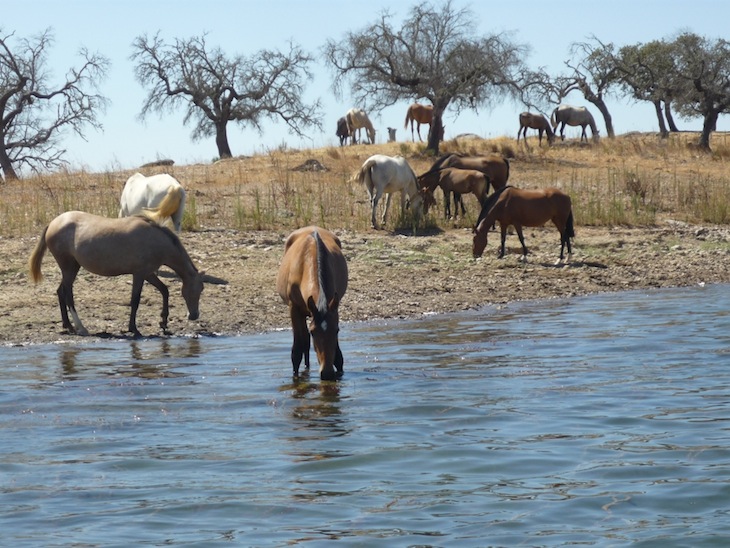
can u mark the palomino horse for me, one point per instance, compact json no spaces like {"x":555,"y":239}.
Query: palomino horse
{"x":574,"y":116}
{"x":312,"y":279}
{"x":538,"y":122}
{"x":342,"y":132}
{"x":421,"y":114}
{"x":456,"y":181}
{"x":385,"y":175}
{"x":517,"y":207}
{"x":357,"y":119}
{"x":142,"y":193}
{"x":112,"y":247}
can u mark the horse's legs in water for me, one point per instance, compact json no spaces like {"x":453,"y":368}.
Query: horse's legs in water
{"x":137,"y":283}
{"x":65,"y":294}
{"x":339,"y":360}
{"x":162,"y":288}
{"x":300,"y":347}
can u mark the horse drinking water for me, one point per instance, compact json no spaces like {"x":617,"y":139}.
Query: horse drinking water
{"x":161,"y":191}
{"x":518,"y":207}
{"x":312,"y":279}
{"x":383,"y":174}
{"x":420,"y":114}
{"x":112,"y":247}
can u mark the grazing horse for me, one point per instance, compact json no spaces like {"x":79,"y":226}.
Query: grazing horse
{"x":385,"y":175}
{"x":538,"y":122}
{"x":112,"y":247}
{"x":518,"y":207}
{"x":494,"y":166}
{"x":342,"y":131}
{"x":312,"y":279}
{"x":357,"y":119}
{"x":456,"y":181}
{"x":142,"y":193}
{"x":574,"y":116}
{"x":421,"y":114}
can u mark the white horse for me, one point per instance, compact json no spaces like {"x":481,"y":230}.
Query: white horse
{"x":385,"y":175}
{"x":356,"y":120}
{"x":143,"y":193}
{"x":574,"y":116}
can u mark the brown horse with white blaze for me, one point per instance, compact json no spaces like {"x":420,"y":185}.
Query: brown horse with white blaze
{"x":312,"y":279}
{"x":420,"y":114}
{"x":519,"y":207}
{"x":112,"y":247}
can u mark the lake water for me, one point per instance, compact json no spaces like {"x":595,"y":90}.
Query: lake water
{"x":595,"y":421}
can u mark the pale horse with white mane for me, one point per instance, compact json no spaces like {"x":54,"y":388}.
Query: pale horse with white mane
{"x":357,"y":119}
{"x":574,"y":116}
{"x":385,"y":175}
{"x":146,"y":193}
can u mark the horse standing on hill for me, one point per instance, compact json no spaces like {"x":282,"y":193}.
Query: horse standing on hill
{"x":420,"y":114}
{"x":383,"y":174}
{"x":538,"y":122}
{"x":161,"y":193}
{"x":518,"y":207}
{"x":574,"y":116}
{"x":357,"y":119}
{"x":312,"y":279}
{"x":113,"y":247}
{"x":342,"y":131}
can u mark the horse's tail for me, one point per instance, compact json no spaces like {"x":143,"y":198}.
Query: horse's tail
{"x":506,"y":163}
{"x":569,"y":229}
{"x":34,"y":264}
{"x":409,"y":118}
{"x":554,"y":118}
{"x":364,"y":176}
{"x":169,"y":205}
{"x":489,"y":204}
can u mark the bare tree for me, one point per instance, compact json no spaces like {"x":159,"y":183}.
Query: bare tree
{"x":215,"y":89}
{"x":435,"y":55}
{"x":34,"y":111}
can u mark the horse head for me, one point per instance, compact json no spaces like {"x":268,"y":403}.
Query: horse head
{"x":192,"y":287}
{"x":480,"y":239}
{"x":428,"y":199}
{"x":324,"y":329}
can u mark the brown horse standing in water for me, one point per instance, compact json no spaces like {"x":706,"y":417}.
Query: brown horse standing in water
{"x":538,"y":122}
{"x":456,"y":181}
{"x":112,"y":247}
{"x":312,"y":279}
{"x":421,"y":114}
{"x":518,"y":207}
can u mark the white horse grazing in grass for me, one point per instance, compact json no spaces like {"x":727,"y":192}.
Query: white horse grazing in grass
{"x":147,"y":193}
{"x":357,"y":119}
{"x":385,"y":175}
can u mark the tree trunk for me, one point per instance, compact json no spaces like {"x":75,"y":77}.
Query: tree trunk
{"x":660,"y":117}
{"x":436,"y":131}
{"x":221,"y":141}
{"x":7,"y":166}
{"x":601,"y":106}
{"x":670,"y":117}
{"x":708,"y":127}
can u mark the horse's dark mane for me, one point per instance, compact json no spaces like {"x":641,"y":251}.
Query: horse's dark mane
{"x":489,"y":203}
{"x":321,"y":272}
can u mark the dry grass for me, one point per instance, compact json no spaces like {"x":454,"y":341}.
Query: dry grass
{"x":633,"y":180}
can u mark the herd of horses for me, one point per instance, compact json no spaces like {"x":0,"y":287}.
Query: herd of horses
{"x":312,"y":277}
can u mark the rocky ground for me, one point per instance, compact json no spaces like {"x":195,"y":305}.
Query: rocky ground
{"x":391,"y":276}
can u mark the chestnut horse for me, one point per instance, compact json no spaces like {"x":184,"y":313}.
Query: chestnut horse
{"x":421,"y":114}
{"x":312,"y":279}
{"x":538,"y":122}
{"x":112,"y":247}
{"x":494,"y":166}
{"x":456,"y":181}
{"x":518,"y":207}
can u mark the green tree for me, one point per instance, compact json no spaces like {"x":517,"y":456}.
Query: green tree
{"x":36,"y":109}
{"x":215,"y":89}
{"x":434,"y":55}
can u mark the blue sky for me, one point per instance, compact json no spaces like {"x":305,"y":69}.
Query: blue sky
{"x":244,"y":27}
